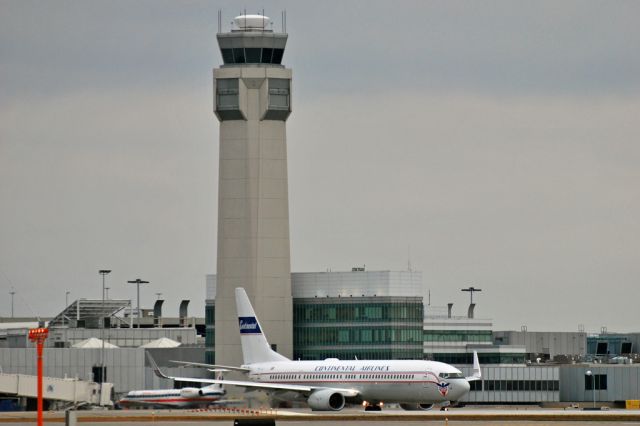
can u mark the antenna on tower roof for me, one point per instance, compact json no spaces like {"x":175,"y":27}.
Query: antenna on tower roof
{"x":219,"y":21}
{"x":284,"y":21}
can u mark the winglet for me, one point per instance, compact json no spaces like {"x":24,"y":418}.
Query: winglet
{"x":477,"y":373}
{"x":154,"y":366}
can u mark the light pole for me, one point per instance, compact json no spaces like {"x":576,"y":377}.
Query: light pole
{"x":12,"y":293}
{"x":137,"y":282}
{"x":593,"y":385}
{"x":471,"y":290}
{"x":38,"y":336}
{"x":104,"y":273}
{"x":66,"y":298}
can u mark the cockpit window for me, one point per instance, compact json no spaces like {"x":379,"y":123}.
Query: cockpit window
{"x":451,"y":375}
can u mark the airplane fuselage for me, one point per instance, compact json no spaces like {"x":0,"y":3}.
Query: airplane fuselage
{"x":174,"y":398}
{"x":376,"y":381}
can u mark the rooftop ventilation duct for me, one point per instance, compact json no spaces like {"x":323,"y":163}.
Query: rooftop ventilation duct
{"x":471,"y":308}
{"x":183,"y":313}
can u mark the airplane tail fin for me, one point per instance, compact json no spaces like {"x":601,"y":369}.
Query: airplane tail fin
{"x":477,"y":373}
{"x":220,"y":386}
{"x":255,"y":347}
{"x":154,"y":366}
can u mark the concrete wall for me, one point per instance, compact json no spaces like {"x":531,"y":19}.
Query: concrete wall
{"x":253,"y":217}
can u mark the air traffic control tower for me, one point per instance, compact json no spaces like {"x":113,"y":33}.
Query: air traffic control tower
{"x":252,"y":91}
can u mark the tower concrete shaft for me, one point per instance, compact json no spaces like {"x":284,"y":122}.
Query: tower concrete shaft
{"x":252,"y":93}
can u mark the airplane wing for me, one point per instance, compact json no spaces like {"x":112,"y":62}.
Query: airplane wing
{"x":270,"y":386}
{"x":477,"y":373}
{"x":213,"y":367}
{"x":248,"y":384}
{"x":259,"y":385}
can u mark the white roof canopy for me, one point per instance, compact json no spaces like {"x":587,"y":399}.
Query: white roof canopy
{"x":163,"y":342}
{"x":93,"y":343}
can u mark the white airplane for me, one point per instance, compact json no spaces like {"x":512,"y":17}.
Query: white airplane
{"x":330,"y":384}
{"x":174,"y":398}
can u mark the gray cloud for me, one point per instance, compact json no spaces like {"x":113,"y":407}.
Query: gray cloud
{"x":495,"y":142}
{"x":498,"y":48}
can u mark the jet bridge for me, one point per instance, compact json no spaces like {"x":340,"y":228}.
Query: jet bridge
{"x":77,"y":392}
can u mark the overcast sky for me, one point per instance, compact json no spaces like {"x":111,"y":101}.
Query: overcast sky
{"x":492,"y":144}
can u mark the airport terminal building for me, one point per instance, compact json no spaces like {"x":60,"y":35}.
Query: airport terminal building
{"x":383,"y":315}
{"x":358,"y":313}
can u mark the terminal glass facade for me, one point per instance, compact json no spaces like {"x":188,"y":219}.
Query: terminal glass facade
{"x":471,"y":336}
{"x":483,"y":358}
{"x":361,"y":327}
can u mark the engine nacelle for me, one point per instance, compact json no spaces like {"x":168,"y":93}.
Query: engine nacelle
{"x":190,"y":392}
{"x":325,"y":400}
{"x":416,"y":407}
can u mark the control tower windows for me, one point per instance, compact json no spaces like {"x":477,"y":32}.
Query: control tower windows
{"x":252,"y":55}
{"x":227,"y":56}
{"x":278,"y":93}
{"x":238,"y":56}
{"x":279,"y":105}
{"x":266,"y":55}
{"x":277,"y":56}
{"x":227,"y":101}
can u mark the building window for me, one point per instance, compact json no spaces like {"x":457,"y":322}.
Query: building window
{"x":600,"y":379}
{"x":252,"y":55}
{"x":277,"y":56}
{"x":227,"y":56}
{"x":279,"y":93}
{"x":227,"y":93}
{"x":238,"y":55}
{"x":333,"y":329}
{"x":227,"y":99}
{"x":266,"y":55}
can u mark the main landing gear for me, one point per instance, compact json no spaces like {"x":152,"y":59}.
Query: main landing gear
{"x":372,"y":406}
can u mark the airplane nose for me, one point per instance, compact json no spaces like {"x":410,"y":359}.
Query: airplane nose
{"x":465,"y":388}
{"x":461,"y":389}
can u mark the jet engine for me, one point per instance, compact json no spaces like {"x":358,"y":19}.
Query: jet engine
{"x":190,"y":392}
{"x":416,"y":407}
{"x":325,"y":400}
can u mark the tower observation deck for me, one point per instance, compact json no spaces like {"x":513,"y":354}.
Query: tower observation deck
{"x":253,"y":42}
{"x":252,"y":100}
